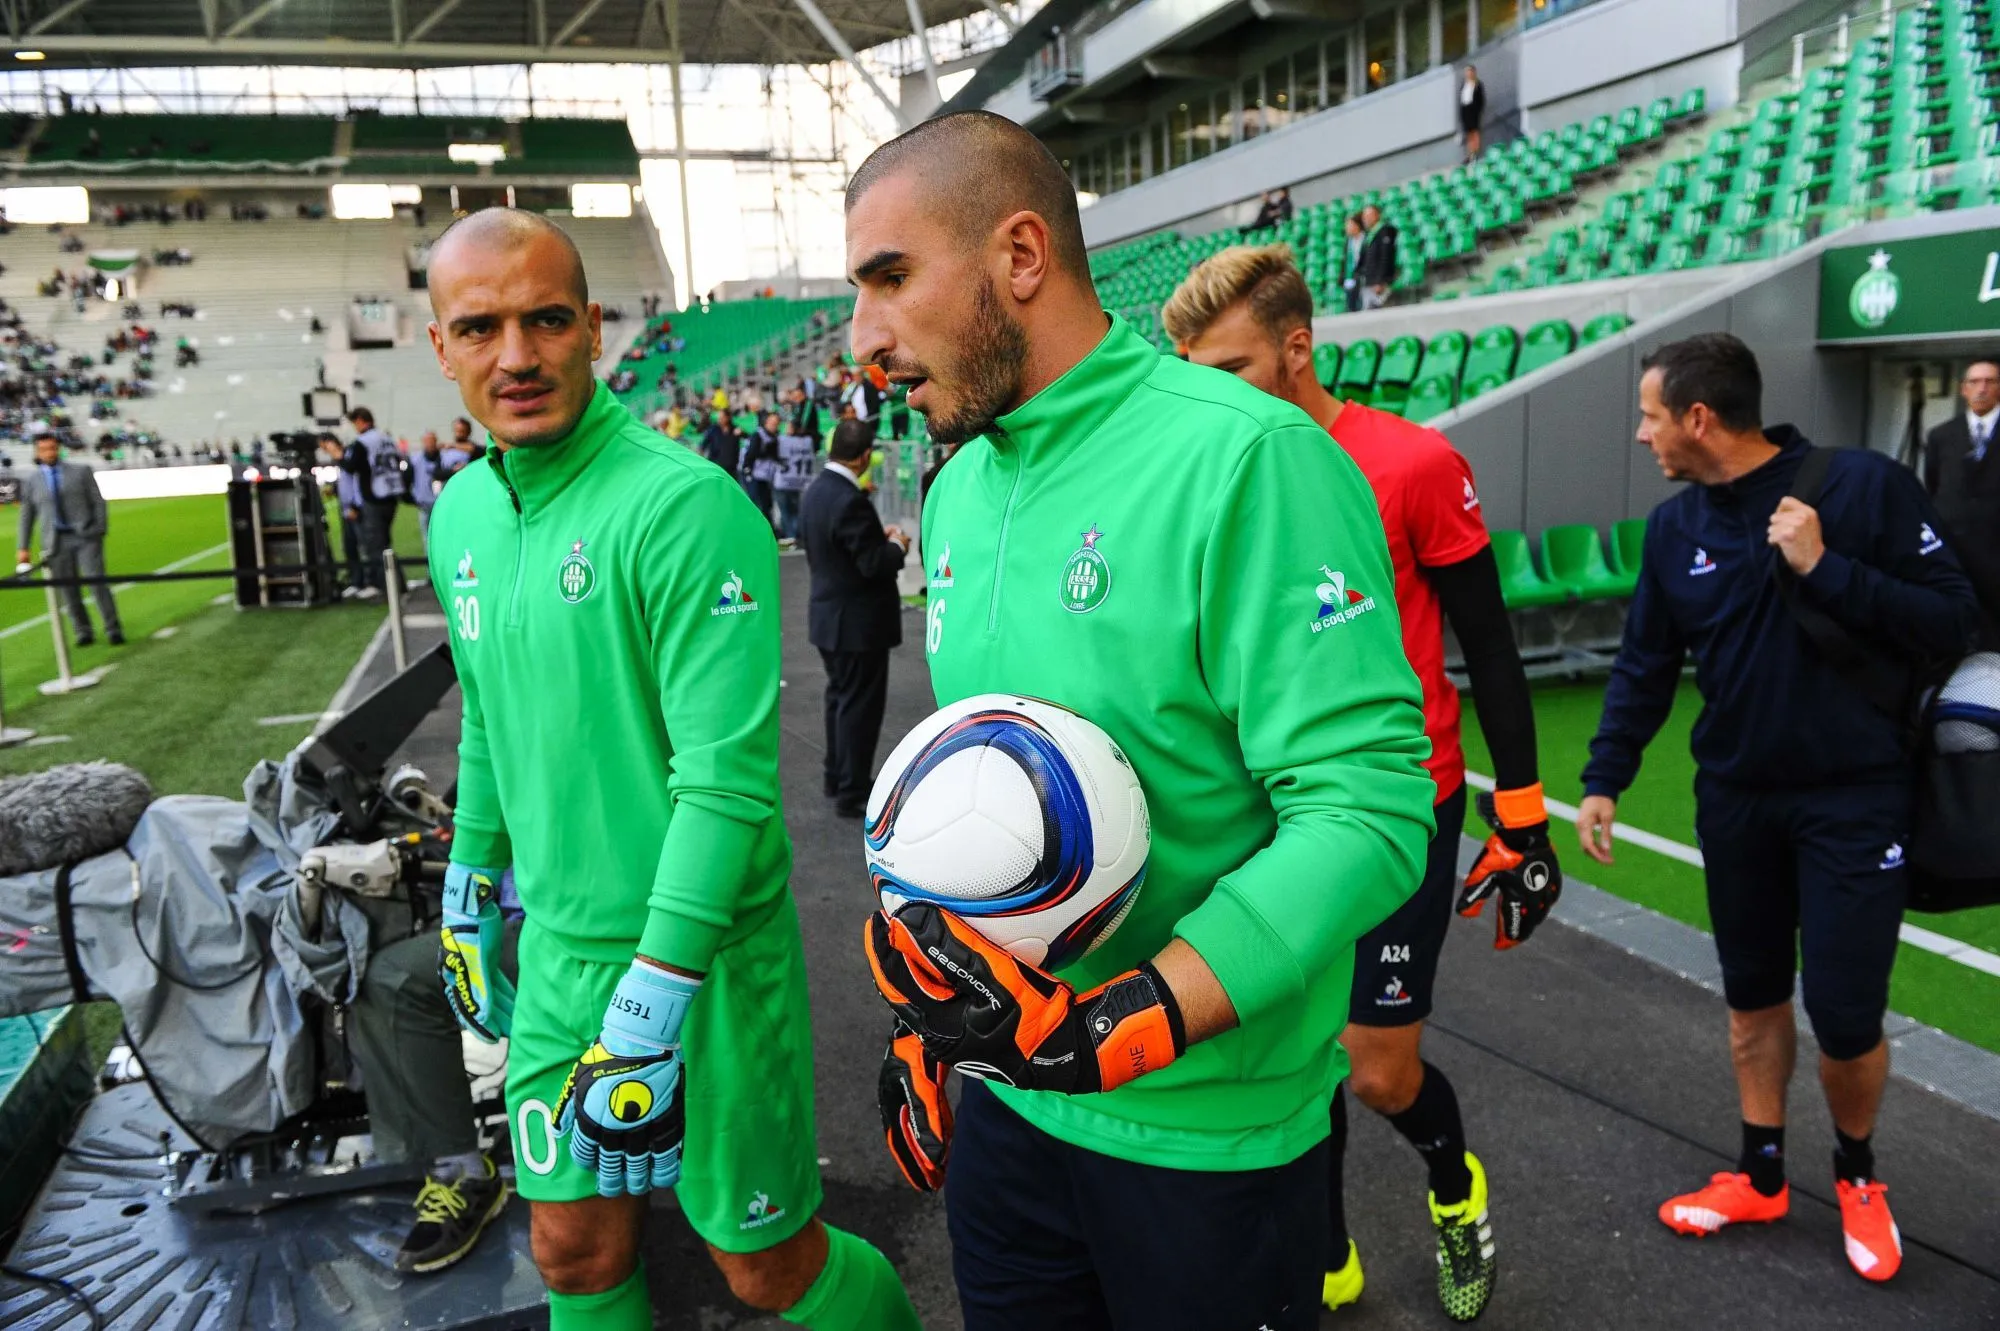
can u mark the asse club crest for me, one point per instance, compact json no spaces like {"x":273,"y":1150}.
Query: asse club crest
{"x":575,"y":578}
{"x":1086,"y":578}
{"x":1875,"y":293}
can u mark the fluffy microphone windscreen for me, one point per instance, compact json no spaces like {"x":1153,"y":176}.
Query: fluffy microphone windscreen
{"x":67,"y":814}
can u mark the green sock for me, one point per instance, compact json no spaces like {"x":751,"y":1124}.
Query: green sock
{"x":624,"y":1307}
{"x":857,"y":1290}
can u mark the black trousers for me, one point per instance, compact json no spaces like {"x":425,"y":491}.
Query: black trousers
{"x":1046,"y":1236}
{"x":378,"y":518}
{"x":857,"y":690}
{"x":350,"y":550}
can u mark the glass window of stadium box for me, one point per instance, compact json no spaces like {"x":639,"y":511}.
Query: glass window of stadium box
{"x":1253,"y":108}
{"x":1334,"y":57}
{"x":1497,"y":18}
{"x":1378,"y":45}
{"x":1457,"y":28}
{"x":1418,"y":54}
{"x":1308,"y":82}
{"x":1279,"y":108}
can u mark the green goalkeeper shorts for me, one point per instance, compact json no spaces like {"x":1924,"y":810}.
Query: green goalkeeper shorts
{"x":750,"y":1169}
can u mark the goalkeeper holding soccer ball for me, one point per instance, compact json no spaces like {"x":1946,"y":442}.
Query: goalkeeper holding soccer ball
{"x":1247,"y":310}
{"x":612,"y":616}
{"x":1144,"y":542}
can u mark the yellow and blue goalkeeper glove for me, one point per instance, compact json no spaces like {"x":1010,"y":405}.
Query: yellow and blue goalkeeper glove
{"x":622,"y":1107}
{"x":481,"y":996}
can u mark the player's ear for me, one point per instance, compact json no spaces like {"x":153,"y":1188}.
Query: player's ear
{"x":437,"y":346}
{"x":595,"y":313}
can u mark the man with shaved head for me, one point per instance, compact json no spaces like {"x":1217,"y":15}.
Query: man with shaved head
{"x":613,"y":622}
{"x":1183,"y":561}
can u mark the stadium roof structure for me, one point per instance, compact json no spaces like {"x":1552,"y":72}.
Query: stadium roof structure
{"x":424,"y":33}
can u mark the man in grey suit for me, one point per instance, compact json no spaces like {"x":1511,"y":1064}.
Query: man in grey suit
{"x":63,"y":498}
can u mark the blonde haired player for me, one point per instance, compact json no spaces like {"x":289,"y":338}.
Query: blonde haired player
{"x":1247,"y":310}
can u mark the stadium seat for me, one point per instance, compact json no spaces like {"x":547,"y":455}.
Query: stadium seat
{"x":1430,"y":397}
{"x":1326,"y":363}
{"x":1575,"y":560}
{"x":1628,"y":541}
{"x":1521,"y":585}
{"x":1446,"y":356}
{"x":1547,"y":342}
{"x":1357,"y":369}
{"x":1492,"y":355}
{"x":1603,"y":326}
{"x":1401,"y":359}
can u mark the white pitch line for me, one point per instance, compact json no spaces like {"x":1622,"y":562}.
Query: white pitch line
{"x":292,"y":719}
{"x":175,"y":567}
{"x":1965,"y":954}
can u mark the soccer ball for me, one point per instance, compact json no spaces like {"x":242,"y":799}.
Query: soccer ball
{"x":1017,"y":815}
{"x":1966,"y":713}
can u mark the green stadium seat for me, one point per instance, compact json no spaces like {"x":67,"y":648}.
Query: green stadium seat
{"x":1574,"y":559}
{"x":1492,"y":354}
{"x":1480,"y":387}
{"x":1547,"y":342}
{"x":1603,"y":326}
{"x":1401,"y":359}
{"x":1430,"y":397}
{"x":1628,"y":540}
{"x":1326,"y":363}
{"x":1522,"y":586}
{"x":1357,"y":368}
{"x":1446,"y":356}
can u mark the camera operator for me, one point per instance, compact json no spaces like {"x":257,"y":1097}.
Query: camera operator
{"x":411,"y":1054}
{"x":347,"y":493}
{"x":1803,"y":792}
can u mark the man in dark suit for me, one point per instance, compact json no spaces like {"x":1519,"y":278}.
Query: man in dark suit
{"x":63,"y":499}
{"x":1378,"y":259}
{"x":1963,"y":477}
{"x":855,"y":615}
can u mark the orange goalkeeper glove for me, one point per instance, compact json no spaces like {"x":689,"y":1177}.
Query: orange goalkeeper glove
{"x":916,"y":1117}
{"x":1518,"y":865}
{"x":978,"y":1008}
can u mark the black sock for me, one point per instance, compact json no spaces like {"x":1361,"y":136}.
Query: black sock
{"x":1336,"y":1200}
{"x":1853,"y":1157}
{"x":1763,"y":1158}
{"x":1431,"y":1124}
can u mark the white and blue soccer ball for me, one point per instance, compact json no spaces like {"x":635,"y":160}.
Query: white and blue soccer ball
{"x":1017,"y":815}
{"x":1965,"y":715}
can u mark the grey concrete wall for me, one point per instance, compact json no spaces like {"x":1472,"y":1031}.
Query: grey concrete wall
{"x":1716,"y":73}
{"x":1558,"y":446}
{"x":1616,"y":40}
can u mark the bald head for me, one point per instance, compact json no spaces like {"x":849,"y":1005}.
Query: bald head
{"x":494,"y":232}
{"x":976,"y":169}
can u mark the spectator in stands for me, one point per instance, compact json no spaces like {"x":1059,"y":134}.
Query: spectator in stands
{"x":1803,"y":783}
{"x":185,"y":353}
{"x":1378,"y":259}
{"x":760,"y":463}
{"x":63,"y":500}
{"x":1966,"y":485}
{"x":382,"y":470}
{"x":1274,"y":207}
{"x":1471,"y":112}
{"x":865,"y":394}
{"x":426,"y":479}
{"x":1351,"y":246}
{"x":802,"y":413}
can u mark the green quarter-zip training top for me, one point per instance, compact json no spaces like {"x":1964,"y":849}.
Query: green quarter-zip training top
{"x":1195,"y":567}
{"x":612,"y":603}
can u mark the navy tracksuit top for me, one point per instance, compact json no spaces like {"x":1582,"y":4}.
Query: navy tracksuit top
{"x":1774,"y":712}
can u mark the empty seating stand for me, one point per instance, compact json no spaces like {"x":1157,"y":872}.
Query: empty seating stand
{"x":1422,"y":381}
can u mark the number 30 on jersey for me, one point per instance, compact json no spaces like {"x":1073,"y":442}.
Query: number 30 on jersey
{"x":466,"y":610}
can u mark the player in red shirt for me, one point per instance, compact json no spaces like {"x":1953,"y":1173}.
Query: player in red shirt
{"x":1247,"y":310}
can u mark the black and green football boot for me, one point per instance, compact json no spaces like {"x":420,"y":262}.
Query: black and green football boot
{"x":1466,"y":1269}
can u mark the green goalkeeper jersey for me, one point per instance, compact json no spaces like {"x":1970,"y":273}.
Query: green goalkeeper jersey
{"x":1195,"y":567}
{"x":613,"y":617}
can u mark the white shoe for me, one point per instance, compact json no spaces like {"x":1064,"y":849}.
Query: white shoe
{"x":368,"y":594}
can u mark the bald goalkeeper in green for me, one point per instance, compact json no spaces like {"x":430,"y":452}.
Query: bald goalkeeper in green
{"x":612,"y":601}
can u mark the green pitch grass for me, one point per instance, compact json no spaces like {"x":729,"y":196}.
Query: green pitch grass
{"x":1930,"y":988}
{"x":145,"y":536}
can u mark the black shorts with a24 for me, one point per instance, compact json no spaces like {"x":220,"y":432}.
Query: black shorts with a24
{"x":1046,"y":1236}
{"x":1396,"y":962}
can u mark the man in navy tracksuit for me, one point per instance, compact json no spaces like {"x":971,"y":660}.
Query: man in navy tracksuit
{"x":1803,"y":792}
